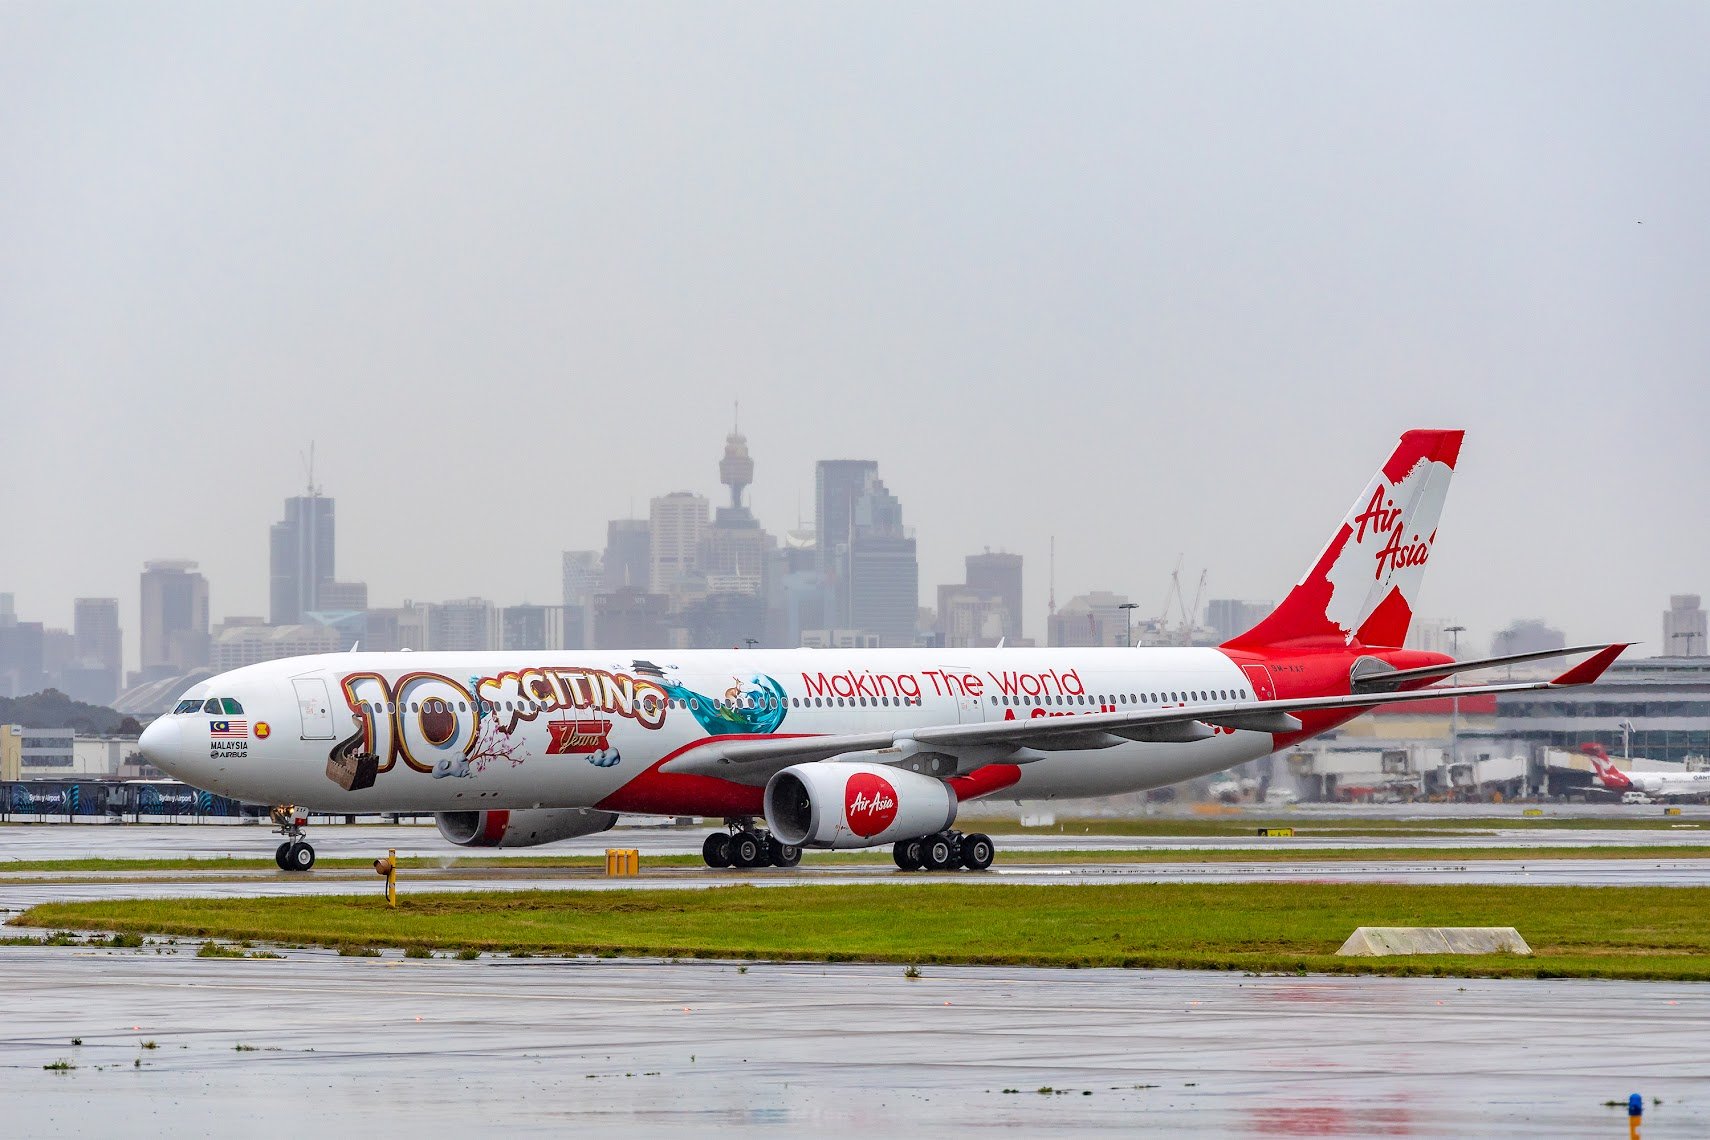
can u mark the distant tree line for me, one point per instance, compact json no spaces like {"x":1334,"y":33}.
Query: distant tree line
{"x":51,"y":708}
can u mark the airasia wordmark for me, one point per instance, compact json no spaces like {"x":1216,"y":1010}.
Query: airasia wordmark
{"x":869,"y":804}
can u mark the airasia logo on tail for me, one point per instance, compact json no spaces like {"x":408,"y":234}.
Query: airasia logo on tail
{"x":869,"y":804}
{"x":1382,"y":515}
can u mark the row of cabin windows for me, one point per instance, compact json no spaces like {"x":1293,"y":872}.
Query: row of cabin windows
{"x":773,"y":703}
{"x":1119,"y":699}
{"x":219,"y":706}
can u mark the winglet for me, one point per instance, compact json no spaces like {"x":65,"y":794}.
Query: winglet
{"x":1592,"y":667}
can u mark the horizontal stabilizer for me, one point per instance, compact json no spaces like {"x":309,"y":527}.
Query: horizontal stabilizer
{"x":1591,"y":668}
{"x":1384,"y":680}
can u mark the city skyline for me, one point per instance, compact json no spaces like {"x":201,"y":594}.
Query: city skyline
{"x":850,"y":493}
{"x":1157,"y":282}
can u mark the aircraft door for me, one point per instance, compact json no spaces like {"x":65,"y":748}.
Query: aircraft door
{"x":1260,"y":678}
{"x":315,"y":707}
{"x":970,"y":709}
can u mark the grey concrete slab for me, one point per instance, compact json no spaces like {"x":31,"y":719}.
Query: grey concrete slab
{"x":383,"y":1047}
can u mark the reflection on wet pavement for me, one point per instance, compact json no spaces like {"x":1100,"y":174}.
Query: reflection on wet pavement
{"x":609,"y":1047}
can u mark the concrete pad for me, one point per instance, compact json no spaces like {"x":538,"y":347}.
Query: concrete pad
{"x":1381,"y":941}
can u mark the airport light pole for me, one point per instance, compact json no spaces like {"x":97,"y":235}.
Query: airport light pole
{"x":1128,"y":609}
{"x":1454,"y":632}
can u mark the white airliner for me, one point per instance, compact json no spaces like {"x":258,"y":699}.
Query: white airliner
{"x":1656,"y":785}
{"x":830,"y":748}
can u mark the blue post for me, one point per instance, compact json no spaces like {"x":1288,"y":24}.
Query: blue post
{"x":1635,"y":1110}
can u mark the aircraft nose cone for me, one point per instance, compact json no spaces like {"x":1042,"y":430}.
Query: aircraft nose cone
{"x":159,"y":743}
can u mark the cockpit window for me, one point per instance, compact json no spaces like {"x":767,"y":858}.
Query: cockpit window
{"x":212,"y":705}
{"x":187,"y":707}
{"x":232,"y":708}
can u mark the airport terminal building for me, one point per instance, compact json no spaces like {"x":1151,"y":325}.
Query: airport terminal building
{"x":1657,"y":708}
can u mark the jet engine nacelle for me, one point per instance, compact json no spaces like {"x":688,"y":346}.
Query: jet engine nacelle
{"x":855,"y":805}
{"x":528,"y":827}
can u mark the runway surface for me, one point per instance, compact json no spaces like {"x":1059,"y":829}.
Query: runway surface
{"x":21,"y":890}
{"x":37,"y":841}
{"x":625,"y":1047}
{"x":590,"y":1047}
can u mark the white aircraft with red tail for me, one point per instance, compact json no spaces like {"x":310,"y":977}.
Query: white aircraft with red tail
{"x":1656,"y":785}
{"x":828,"y":748}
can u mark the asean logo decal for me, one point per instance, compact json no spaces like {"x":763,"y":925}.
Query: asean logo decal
{"x":263,"y":730}
{"x":869,"y":803}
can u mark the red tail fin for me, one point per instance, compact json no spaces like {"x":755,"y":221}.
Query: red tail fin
{"x":1363,"y":587}
{"x":1607,"y":774}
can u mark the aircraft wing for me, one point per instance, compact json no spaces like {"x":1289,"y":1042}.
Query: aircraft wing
{"x":1026,"y":740}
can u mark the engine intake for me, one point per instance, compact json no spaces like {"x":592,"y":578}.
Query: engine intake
{"x":528,"y":827}
{"x":836,"y":805}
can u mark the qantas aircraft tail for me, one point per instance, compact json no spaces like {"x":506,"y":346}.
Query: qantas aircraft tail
{"x":1608,"y":775}
{"x":1363,"y":587}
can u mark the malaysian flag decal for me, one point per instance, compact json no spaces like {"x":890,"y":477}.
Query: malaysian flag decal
{"x":228,"y":730}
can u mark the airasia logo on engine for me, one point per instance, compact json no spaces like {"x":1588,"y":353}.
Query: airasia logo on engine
{"x":869,"y":804}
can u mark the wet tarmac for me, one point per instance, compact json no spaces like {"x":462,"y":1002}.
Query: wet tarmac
{"x":315,"y":1043}
{"x":40,"y":841}
{"x":24,"y":889}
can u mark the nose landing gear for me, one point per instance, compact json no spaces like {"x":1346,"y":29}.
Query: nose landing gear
{"x":294,"y":854}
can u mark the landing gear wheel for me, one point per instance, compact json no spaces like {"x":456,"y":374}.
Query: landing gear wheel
{"x":299,"y":857}
{"x":716,"y":850}
{"x":977,"y":851}
{"x":907,"y":854}
{"x":279,"y":856}
{"x":746,"y":849}
{"x":781,"y":854}
{"x":936,"y":852}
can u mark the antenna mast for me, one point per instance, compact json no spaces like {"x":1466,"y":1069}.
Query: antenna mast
{"x":309,"y":464}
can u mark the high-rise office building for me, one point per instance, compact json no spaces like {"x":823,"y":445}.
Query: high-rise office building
{"x":98,"y":651}
{"x":174,"y":619}
{"x":464,"y":625}
{"x":301,"y":557}
{"x":1684,"y":627}
{"x":1097,"y":618}
{"x":837,"y":484}
{"x":528,"y":627}
{"x":628,"y":559}
{"x":999,"y":574}
{"x":583,"y":579}
{"x":21,"y":653}
{"x":865,"y":552}
{"x":676,"y":524}
{"x":1228,"y":618}
{"x":1527,"y":635}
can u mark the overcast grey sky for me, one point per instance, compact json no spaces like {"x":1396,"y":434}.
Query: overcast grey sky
{"x":1159,"y":279}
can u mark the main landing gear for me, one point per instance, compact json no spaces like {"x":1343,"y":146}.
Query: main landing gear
{"x":742,"y":846}
{"x":294,"y":854}
{"x":945,"y":851}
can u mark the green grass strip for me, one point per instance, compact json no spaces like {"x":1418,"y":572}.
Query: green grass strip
{"x":1286,"y":851}
{"x":474,"y":865}
{"x":1607,"y":932}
